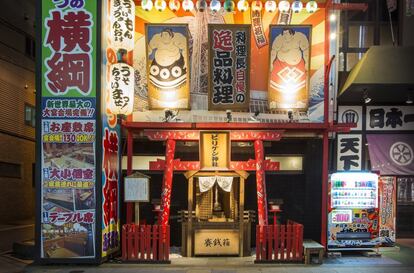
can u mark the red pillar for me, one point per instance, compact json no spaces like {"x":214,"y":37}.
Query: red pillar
{"x":260,"y":183}
{"x":130,"y":148}
{"x":325,"y":158}
{"x":167,"y":182}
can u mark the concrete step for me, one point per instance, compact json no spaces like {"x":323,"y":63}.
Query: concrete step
{"x":24,"y":250}
{"x":10,"y":234}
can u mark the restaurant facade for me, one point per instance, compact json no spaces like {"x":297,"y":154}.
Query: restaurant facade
{"x":198,"y":126}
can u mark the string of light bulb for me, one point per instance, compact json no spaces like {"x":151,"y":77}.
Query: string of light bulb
{"x":229,"y":5}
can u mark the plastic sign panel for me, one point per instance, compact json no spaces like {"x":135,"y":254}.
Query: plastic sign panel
{"x":341,"y":216}
{"x":68,"y":130}
{"x":229,"y":67}
{"x":214,"y":150}
{"x":349,"y":148}
{"x":390,"y":118}
{"x":351,"y":114}
{"x":289,"y":64}
{"x":168,"y":70}
{"x":136,"y":189}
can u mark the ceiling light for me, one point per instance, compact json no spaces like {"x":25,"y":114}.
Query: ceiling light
{"x":367,"y":99}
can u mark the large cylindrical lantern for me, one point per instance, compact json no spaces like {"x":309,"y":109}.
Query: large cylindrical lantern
{"x":215,"y":5}
{"x":188,"y":5}
{"x":146,"y":5}
{"x":257,"y":5}
{"x":121,"y":89}
{"x":270,"y":6}
{"x":297,"y":6}
{"x":229,"y":5}
{"x":242,"y":5}
{"x":122,"y":20}
{"x":311,"y":6}
{"x":284,"y":6}
{"x":174,"y":5}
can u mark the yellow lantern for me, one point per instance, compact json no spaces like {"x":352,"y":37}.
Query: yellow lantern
{"x":121,"y":89}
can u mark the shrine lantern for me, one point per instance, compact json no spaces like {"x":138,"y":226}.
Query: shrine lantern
{"x":122,"y":20}
{"x":215,"y":5}
{"x":257,"y":5}
{"x":270,"y":6}
{"x":160,"y":5}
{"x":242,"y":5}
{"x":146,"y":5}
{"x":201,"y":5}
{"x":284,"y":6}
{"x":311,"y":6}
{"x":174,"y":5}
{"x":188,"y":5}
{"x":297,"y":6}
{"x":121,"y":89}
{"x":229,"y":6}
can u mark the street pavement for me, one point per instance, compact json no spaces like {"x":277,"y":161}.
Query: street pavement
{"x":390,"y":262}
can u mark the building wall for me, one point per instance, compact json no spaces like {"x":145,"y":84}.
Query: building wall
{"x":17,"y":88}
{"x":407,"y":24}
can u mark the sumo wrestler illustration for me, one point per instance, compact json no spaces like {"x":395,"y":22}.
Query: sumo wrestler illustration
{"x":289,"y":66}
{"x":167,"y":65}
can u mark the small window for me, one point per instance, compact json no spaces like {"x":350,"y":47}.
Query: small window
{"x":11,"y":170}
{"x":30,"y":49}
{"x":29,"y":115}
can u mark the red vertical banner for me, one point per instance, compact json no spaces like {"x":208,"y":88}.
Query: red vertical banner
{"x":260,"y":183}
{"x":167,"y":182}
{"x":387,"y":210}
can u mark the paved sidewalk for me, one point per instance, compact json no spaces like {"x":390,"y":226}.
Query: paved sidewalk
{"x":399,"y":262}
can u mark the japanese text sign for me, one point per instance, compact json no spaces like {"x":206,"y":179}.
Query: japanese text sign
{"x":214,"y":150}
{"x":389,"y":118}
{"x":349,"y":152}
{"x":69,"y":48}
{"x":216,"y":242}
{"x":229,"y":67}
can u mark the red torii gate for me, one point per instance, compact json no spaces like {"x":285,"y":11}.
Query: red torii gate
{"x":169,"y":165}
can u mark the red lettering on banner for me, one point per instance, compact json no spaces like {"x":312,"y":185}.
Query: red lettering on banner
{"x":110,"y":165}
{"x":223,"y":40}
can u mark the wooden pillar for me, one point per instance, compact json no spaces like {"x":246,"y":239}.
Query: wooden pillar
{"x":167,"y":182}
{"x":324,"y":215}
{"x":130,"y":154}
{"x":189,"y":235}
{"x":241,"y":216}
{"x":260,"y":183}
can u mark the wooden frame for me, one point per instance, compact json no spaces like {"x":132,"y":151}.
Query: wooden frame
{"x":294,"y":27}
{"x":228,"y":150}
{"x":233,"y":28}
{"x":242,"y":175}
{"x":187,"y":60}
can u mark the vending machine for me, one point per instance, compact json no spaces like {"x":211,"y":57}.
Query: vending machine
{"x":353,"y":211}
